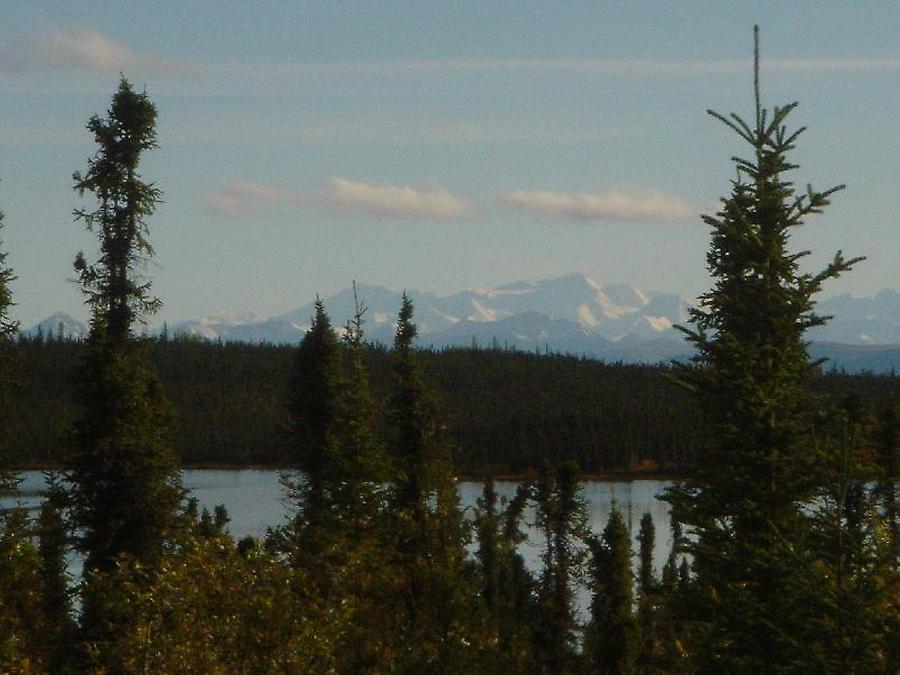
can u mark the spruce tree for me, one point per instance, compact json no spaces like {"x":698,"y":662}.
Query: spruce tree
{"x":516,"y":585}
{"x":488,"y":534}
{"x":669,"y":579}
{"x":8,"y":328}
{"x":561,"y":517}
{"x":612,"y":643}
{"x":22,"y":639}
{"x":743,"y":504}
{"x":20,"y":620}
{"x":429,"y":532}
{"x":55,"y":593}
{"x":123,"y":470}
{"x":314,"y":411}
{"x":647,"y":541}
{"x":412,"y":418}
{"x":505,"y":583}
{"x":363,"y":465}
{"x":648,"y":589}
{"x":888,"y":462}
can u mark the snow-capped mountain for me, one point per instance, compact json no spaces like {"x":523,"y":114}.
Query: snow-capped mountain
{"x":860,"y":321}
{"x":571,"y":314}
{"x":58,"y":326}
{"x":241,"y":329}
{"x":610,"y":311}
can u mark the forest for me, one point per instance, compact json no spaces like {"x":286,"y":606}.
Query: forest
{"x":505,"y":411}
{"x":786,"y":533}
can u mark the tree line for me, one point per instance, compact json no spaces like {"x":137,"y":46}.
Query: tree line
{"x":785,"y":528}
{"x":505,"y":411}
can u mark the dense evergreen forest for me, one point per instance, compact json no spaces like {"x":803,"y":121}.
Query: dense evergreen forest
{"x":786,"y":527}
{"x":505,"y":412}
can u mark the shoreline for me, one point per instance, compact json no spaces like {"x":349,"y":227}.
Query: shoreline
{"x":622,"y":475}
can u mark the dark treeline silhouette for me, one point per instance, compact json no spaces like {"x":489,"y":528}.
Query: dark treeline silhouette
{"x":506,"y":412}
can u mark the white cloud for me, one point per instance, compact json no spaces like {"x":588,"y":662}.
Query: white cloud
{"x":608,"y":206}
{"x":247,"y":199}
{"x":82,"y":48}
{"x":404,"y":202}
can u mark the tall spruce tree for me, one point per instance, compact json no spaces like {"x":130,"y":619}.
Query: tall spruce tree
{"x":648,"y":589}
{"x":8,"y":328}
{"x":612,"y":643}
{"x":506,"y":586}
{"x":314,"y":410}
{"x":488,"y":532}
{"x":126,"y":488}
{"x":561,"y":517}
{"x":412,"y":418}
{"x":20,"y":625}
{"x":363,"y":465}
{"x":430,"y":534}
{"x":56,"y":601}
{"x":743,"y":504}
{"x":647,"y":541}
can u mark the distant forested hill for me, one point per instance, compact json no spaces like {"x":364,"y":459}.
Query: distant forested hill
{"x":505,"y":411}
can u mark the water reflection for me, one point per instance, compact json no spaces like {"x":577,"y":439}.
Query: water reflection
{"x":255,"y":500}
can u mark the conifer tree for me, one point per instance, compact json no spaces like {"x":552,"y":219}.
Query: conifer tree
{"x":743,"y":503}
{"x":430,"y":534}
{"x":613,"y":639}
{"x":21,"y":618}
{"x":516,"y":585}
{"x":55,"y":593}
{"x":412,"y":418}
{"x":124,"y":473}
{"x":506,"y":585}
{"x":314,"y":404}
{"x":854,"y":572}
{"x":8,"y":328}
{"x":561,"y":517}
{"x":888,"y":462}
{"x":669,"y":575}
{"x":649,"y":596}
{"x":19,"y":593}
{"x":488,"y":532}
{"x":647,"y":541}
{"x":364,"y":466}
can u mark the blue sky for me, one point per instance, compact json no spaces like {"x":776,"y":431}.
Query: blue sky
{"x":438,"y":146}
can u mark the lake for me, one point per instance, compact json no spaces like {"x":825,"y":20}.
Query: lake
{"x":255,"y":500}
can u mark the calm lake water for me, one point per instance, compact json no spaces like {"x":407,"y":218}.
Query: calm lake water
{"x":255,"y":501}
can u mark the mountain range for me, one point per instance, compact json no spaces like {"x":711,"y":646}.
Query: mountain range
{"x":572,"y":314}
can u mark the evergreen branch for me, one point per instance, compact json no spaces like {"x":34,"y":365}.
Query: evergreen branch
{"x":746,"y":135}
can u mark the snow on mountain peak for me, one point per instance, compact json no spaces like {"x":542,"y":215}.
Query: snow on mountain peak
{"x":626,"y":295}
{"x":59,"y":324}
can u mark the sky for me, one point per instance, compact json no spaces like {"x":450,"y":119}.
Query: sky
{"x":438,"y":146}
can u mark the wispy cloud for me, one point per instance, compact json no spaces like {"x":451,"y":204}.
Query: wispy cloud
{"x":248,"y":200}
{"x":630,"y":205}
{"x":623,"y":66}
{"x":82,"y":48}
{"x":825,"y":64}
{"x":403,"y":202}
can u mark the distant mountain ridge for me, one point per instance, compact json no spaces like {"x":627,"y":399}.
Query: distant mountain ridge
{"x":571,"y":314}
{"x":611,"y":311}
{"x":58,"y":326}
